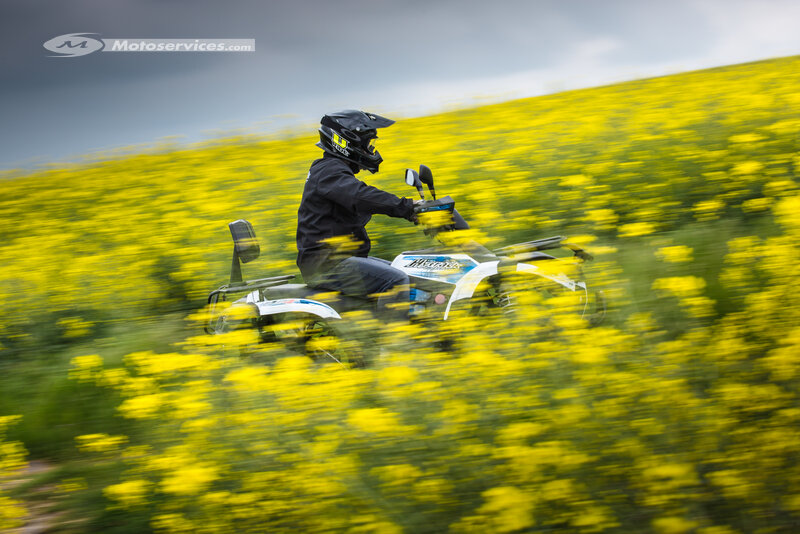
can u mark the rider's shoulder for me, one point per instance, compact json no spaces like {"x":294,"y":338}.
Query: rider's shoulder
{"x":330,"y":165}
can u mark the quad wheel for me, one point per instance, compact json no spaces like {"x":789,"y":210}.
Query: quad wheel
{"x":320,"y":339}
{"x":325,"y":342}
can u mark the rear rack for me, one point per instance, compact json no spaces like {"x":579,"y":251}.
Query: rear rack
{"x":247,"y":285}
{"x":250,"y":285}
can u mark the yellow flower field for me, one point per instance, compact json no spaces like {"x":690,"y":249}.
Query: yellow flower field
{"x":677,"y":414}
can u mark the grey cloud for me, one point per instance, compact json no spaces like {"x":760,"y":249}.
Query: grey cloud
{"x":311,"y":54}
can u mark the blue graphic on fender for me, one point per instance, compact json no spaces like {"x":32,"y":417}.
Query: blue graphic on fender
{"x":448,"y":269}
{"x":281,"y":302}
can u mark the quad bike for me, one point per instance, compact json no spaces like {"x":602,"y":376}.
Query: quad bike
{"x":464,"y":275}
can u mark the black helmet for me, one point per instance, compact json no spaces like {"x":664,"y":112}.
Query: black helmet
{"x":349,"y":134}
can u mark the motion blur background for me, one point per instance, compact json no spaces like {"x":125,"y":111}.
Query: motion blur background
{"x":677,"y":414}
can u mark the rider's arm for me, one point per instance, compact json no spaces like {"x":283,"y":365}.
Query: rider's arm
{"x":342,"y":187}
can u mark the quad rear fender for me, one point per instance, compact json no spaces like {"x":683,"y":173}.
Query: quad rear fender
{"x":291,"y":305}
{"x":312,"y":307}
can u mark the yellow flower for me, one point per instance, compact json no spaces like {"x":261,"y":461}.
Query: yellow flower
{"x":746,"y":138}
{"x":788,"y":212}
{"x":397,"y":375}
{"x":594,"y":519}
{"x":190,"y":479}
{"x":508,"y":509}
{"x":636,"y":229}
{"x":86,"y":368}
{"x":74,"y":327}
{"x":576,"y":180}
{"x":143,"y":406}
{"x":675,"y":254}
{"x":520,"y":432}
{"x":398,"y":474}
{"x":756,"y":205}
{"x":681,"y":286}
{"x":671,"y":474}
{"x":748,"y":167}
{"x":731,"y":482}
{"x":12,"y":513}
{"x":555,"y":490}
{"x":100,"y":442}
{"x":248,"y":378}
{"x":374,"y":421}
{"x":673,"y":525}
{"x":708,"y":210}
{"x":128,"y":494}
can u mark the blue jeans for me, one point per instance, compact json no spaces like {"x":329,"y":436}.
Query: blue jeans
{"x":360,"y":277}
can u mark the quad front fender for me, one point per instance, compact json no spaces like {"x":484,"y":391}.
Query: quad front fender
{"x":466,"y":286}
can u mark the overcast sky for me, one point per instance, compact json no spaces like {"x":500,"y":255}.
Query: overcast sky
{"x":395,"y":57}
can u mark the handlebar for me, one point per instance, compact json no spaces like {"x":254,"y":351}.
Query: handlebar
{"x":444,"y":204}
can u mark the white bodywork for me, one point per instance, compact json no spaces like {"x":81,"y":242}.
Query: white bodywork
{"x":271,"y":307}
{"x":466,"y":286}
{"x":465,"y":283}
{"x":465,"y":273}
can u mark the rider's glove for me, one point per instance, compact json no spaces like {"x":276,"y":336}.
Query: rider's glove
{"x":417,"y":205}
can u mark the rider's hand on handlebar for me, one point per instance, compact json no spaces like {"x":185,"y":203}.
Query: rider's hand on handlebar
{"x":417,"y":205}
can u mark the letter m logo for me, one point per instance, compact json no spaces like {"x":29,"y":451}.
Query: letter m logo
{"x":74,"y":44}
{"x":82,"y":44}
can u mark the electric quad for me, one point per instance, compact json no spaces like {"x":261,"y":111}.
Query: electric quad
{"x":455,"y":276}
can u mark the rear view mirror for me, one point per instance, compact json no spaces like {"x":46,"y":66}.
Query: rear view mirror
{"x":412,"y":179}
{"x":426,"y":177}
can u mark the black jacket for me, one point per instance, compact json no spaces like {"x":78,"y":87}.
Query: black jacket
{"x":336,"y":203}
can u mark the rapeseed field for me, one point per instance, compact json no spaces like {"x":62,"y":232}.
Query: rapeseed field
{"x":679,"y":413}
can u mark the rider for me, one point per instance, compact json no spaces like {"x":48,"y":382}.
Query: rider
{"x":335,"y":209}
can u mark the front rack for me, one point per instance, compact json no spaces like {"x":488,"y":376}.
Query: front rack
{"x":543,"y":244}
